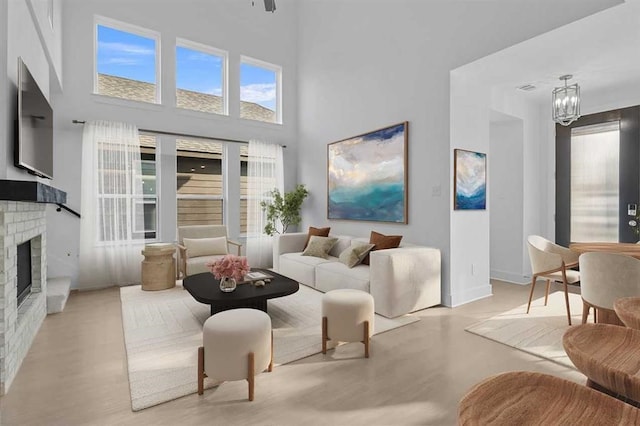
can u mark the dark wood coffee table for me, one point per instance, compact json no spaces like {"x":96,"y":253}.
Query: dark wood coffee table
{"x":206,"y":289}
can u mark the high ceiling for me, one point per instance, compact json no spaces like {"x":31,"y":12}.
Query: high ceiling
{"x":602,"y":52}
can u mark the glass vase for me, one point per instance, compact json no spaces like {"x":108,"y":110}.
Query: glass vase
{"x":227,"y":284}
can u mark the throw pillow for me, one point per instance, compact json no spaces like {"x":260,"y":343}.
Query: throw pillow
{"x":355,"y":254}
{"x":382,"y":242}
{"x":197,"y":247}
{"x":319,"y":232}
{"x":319,"y":246}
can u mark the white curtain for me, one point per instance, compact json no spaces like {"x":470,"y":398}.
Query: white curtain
{"x":112,"y":225}
{"x":265,"y":173}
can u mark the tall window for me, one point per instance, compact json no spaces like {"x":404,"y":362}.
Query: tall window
{"x":127,"y":61}
{"x":260,"y":91}
{"x":200,"y":182}
{"x":595,"y":159}
{"x":136,"y":212}
{"x":149,"y":202}
{"x":244,"y":168}
{"x":201,"y":77}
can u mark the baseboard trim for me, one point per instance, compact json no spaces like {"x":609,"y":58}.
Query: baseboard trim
{"x":509,"y":277}
{"x":471,"y":295}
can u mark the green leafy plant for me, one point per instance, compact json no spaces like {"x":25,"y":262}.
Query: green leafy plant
{"x":283,"y":211}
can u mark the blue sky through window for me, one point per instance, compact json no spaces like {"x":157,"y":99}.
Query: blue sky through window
{"x":127,"y":55}
{"x":258,"y":85}
{"x":198,"y":71}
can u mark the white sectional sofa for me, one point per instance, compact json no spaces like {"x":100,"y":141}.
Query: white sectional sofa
{"x":401,"y":280}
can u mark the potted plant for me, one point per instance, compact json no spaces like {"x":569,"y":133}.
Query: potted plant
{"x":283,"y":211}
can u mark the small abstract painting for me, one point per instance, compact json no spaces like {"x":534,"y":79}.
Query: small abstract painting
{"x":470,"y":184}
{"x":367,"y":176}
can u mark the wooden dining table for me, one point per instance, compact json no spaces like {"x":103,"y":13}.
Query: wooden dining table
{"x":629,"y":249}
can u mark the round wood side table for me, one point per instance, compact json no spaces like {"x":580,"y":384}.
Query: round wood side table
{"x":158,"y":266}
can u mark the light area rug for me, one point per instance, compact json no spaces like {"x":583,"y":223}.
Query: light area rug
{"x":539,"y":332}
{"x":163,"y":330}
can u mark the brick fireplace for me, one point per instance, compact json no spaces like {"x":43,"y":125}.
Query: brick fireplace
{"x":22,"y":218}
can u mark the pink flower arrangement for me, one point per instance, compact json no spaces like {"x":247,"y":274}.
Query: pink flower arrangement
{"x":229,"y":266}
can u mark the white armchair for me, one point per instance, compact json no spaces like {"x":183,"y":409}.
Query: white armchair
{"x":553,"y":263}
{"x":202,"y":251}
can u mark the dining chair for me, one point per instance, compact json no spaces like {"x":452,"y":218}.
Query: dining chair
{"x":552,"y":263}
{"x":605,"y":278}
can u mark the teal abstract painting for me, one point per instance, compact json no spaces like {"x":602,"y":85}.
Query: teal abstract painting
{"x":470,"y":181}
{"x":367,"y":176}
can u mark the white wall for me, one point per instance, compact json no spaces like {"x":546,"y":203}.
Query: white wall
{"x":365,"y":65}
{"x":50,"y":33}
{"x":7,"y":112}
{"x":228,"y":24}
{"x":24,"y":40}
{"x":506,"y":142}
{"x":23,"y":33}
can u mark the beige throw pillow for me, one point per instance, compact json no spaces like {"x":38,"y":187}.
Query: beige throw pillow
{"x":353,"y":255}
{"x":319,"y":246}
{"x":197,"y":247}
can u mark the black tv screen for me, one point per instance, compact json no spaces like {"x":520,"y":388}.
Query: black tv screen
{"x":34,"y":142}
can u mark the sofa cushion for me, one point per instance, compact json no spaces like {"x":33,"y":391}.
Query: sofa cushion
{"x":318,"y":232}
{"x":344,"y":241}
{"x":319,"y":246}
{"x":354,"y":254}
{"x":335,"y":275}
{"x":382,"y":242}
{"x":197,"y":247}
{"x":301,"y":268}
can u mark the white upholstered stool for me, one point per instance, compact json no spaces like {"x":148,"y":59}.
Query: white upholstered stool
{"x":347,"y":316}
{"x":236,"y":344}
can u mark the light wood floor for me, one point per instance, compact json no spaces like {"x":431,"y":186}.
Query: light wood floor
{"x":76,"y":374}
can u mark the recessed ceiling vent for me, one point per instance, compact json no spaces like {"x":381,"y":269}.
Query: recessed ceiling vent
{"x":527,"y":87}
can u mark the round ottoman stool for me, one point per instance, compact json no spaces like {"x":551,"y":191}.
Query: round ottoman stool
{"x":347,"y":316}
{"x":237,"y":344}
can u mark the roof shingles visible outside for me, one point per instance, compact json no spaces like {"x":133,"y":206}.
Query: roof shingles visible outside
{"x":146,"y":92}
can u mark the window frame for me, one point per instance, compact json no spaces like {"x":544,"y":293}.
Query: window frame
{"x":268,"y":66}
{"x":223,"y":173}
{"x":209,"y":50}
{"x":133,"y":200}
{"x":136,"y":30}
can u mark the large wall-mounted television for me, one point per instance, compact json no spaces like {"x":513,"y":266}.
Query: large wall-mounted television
{"x":34,"y":136}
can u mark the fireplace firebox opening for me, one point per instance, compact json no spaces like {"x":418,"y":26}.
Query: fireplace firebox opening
{"x":24,"y":271}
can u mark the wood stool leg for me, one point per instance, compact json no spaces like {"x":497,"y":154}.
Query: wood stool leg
{"x":200,"y":370}
{"x":366,"y":339}
{"x":270,"y":369}
{"x":566,"y":294}
{"x":251,"y":375}
{"x":324,"y":335}
{"x":585,"y":311}
{"x":533,"y":285}
{"x":546,"y":295}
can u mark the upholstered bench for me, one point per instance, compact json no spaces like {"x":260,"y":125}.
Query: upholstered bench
{"x":609,"y":355}
{"x":237,"y":344}
{"x":526,"y":398}
{"x":347,"y":316}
